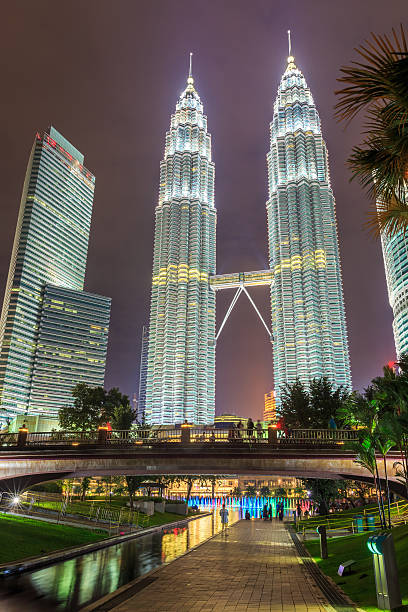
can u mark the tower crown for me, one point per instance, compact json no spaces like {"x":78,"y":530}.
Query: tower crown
{"x":189,"y":98}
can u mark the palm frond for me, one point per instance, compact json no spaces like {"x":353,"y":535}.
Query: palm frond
{"x":388,"y":219}
{"x":381,"y":75}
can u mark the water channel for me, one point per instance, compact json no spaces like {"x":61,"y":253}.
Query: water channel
{"x":73,"y":584}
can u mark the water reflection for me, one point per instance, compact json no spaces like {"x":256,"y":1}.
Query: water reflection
{"x":73,"y":584}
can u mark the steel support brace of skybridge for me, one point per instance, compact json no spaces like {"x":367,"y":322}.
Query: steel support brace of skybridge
{"x":240,"y":281}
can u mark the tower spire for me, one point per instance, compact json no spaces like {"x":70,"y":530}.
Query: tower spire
{"x":190,"y":80}
{"x":291,"y":60}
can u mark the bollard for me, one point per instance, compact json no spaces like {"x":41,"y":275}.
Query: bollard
{"x":102,"y":434}
{"x":272,"y":434}
{"x":22,"y":436}
{"x":185,"y":433}
{"x":385,"y":571}
{"x":358,"y":523}
{"x":370,"y":519}
{"x":321,"y":530}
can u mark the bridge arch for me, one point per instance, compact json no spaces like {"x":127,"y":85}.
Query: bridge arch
{"x":22,"y":469}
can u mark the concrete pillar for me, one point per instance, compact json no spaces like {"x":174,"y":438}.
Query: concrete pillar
{"x":272,"y":435}
{"x":22,"y":436}
{"x":102,"y":434}
{"x":185,"y":433}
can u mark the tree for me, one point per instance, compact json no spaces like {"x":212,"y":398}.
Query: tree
{"x":85,"y":484}
{"x":133,"y":483}
{"x":87,"y":411}
{"x":367,"y":412}
{"x":190,"y":480}
{"x":99,"y":488}
{"x":303,"y":408}
{"x":378,"y":84}
{"x":116,"y":402}
{"x":322,"y":492}
{"x":324,"y":400}
{"x":280,"y":492}
{"x":250,"y":491}
{"x":265,"y":491}
{"x":295,"y":406}
{"x":236,"y":492}
{"x":299,"y":491}
{"x":123,"y":416}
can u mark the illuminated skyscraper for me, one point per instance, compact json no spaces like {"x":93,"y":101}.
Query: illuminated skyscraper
{"x":270,"y":407}
{"x":50,"y":251}
{"x":395,"y":253}
{"x":144,"y":353}
{"x":71,"y":347}
{"x":181,"y":359}
{"x":308,"y":317}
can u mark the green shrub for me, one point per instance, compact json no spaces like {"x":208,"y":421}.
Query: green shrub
{"x":48,"y":487}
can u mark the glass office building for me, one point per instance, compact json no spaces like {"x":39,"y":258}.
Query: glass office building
{"x":144,"y":354}
{"x":50,"y":247}
{"x":181,"y":359}
{"x":71,"y":347}
{"x":308,"y":316}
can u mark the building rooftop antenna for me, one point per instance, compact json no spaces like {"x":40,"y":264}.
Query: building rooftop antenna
{"x":190,"y":79}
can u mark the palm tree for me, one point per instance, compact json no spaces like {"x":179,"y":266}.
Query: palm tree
{"x":85,"y":484}
{"x":363,"y":411}
{"x":384,"y":444}
{"x":365,"y":456}
{"x":378,"y":84}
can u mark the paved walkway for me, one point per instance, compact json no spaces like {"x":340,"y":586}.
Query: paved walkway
{"x":254,"y":567}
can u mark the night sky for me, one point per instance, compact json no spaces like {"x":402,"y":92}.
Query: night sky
{"x":107,"y":75}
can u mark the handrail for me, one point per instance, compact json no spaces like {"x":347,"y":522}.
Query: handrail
{"x":195,"y":434}
{"x":399,"y":514}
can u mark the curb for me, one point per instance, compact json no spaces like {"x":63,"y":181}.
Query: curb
{"x":336,"y":596}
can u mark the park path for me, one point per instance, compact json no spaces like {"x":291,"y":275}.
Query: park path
{"x":254,"y":567}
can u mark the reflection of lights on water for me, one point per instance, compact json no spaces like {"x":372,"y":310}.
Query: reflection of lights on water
{"x":94,"y":575}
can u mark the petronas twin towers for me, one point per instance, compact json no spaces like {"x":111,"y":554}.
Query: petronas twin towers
{"x":308,"y":318}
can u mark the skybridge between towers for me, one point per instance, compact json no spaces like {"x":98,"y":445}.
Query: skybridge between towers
{"x":240,"y":281}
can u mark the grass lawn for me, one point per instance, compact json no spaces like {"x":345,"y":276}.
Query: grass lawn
{"x":166,"y":517}
{"x":360,"y":585}
{"x":21,"y":537}
{"x":83,"y":508}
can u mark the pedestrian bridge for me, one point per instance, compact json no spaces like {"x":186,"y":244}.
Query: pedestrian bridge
{"x":28,"y":458}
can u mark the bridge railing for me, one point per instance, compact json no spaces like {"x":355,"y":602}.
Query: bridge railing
{"x":318,"y":435}
{"x":62,"y":438}
{"x":143,"y":436}
{"x":8,"y":439}
{"x":184,"y":435}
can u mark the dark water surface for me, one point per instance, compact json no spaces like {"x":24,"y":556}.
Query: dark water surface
{"x":75,"y":583}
